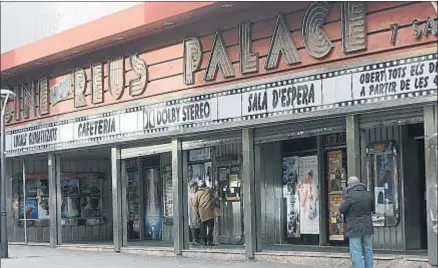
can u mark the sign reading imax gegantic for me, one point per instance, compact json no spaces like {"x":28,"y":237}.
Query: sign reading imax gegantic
{"x":408,"y":78}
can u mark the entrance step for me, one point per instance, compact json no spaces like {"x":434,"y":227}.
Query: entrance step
{"x":215,"y":254}
{"x":148,"y":251}
{"x":329,"y":260}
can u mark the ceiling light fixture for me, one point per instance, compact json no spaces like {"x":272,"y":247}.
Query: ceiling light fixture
{"x":119,"y":38}
{"x":168,"y":23}
{"x":75,"y":52}
{"x":227,"y":5}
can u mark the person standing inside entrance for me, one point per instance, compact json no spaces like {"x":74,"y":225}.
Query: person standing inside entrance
{"x":357,"y":207}
{"x":195,"y":220}
{"x":205,"y":205}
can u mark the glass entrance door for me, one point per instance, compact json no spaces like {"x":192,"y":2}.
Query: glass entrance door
{"x":229,"y":191}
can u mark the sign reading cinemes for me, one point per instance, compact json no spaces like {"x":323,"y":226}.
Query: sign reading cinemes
{"x":35,"y":99}
{"x":407,"y":78}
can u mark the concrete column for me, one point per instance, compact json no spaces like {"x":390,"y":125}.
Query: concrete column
{"x":353,"y":146}
{"x":323,"y":202}
{"x":258,"y":177}
{"x":9,"y":195}
{"x":58,"y":199}
{"x":185,"y":197}
{"x":178,"y":197}
{"x":142,"y":203}
{"x":431,"y":151}
{"x":52,"y":200}
{"x":116,"y":198}
{"x":124,"y":208}
{"x":249,"y":192}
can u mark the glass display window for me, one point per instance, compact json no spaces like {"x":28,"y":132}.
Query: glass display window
{"x":34,"y":205}
{"x":383,"y":182}
{"x":336,"y":170}
{"x":168,"y":194}
{"x":301,"y":191}
{"x":81,"y":196}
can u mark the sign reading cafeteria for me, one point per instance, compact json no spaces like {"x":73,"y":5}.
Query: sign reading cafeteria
{"x":406,"y":78}
{"x":130,"y":77}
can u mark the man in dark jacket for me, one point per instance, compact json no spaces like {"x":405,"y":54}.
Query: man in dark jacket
{"x":357,"y":208}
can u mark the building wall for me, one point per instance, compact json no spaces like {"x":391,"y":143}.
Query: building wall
{"x":164,"y":54}
{"x":23,"y":23}
{"x":269,"y":177}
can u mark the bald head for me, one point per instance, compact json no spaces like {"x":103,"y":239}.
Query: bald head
{"x":353,"y":180}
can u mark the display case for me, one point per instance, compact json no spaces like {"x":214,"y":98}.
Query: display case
{"x":229,"y":190}
{"x":200,"y":168}
{"x":33,"y":205}
{"x":133,"y":197}
{"x":301,"y":194}
{"x":81,"y":197}
{"x":383,"y":182}
{"x":168,"y":195}
{"x":336,"y":180}
{"x":336,"y":171}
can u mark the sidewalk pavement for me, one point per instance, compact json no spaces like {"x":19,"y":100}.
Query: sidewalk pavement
{"x":44,"y":257}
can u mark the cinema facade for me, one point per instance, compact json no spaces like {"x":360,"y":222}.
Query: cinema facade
{"x":273,"y":108}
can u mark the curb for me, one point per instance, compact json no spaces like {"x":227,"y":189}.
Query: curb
{"x":322,"y":259}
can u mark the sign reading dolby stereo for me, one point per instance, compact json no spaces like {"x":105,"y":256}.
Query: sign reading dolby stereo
{"x":408,"y":78}
{"x":181,"y":113}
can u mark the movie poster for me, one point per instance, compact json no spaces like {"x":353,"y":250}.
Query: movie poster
{"x":309,"y":194}
{"x":336,"y":222}
{"x":153,"y":215}
{"x":168,"y":192}
{"x":293,"y":216}
{"x":336,"y":183}
{"x":43,"y":200}
{"x":133,"y":200}
{"x":70,"y":207}
{"x":196,"y":172}
{"x":208,"y":178}
{"x":384,"y":189}
{"x":290,"y":192}
{"x":29,"y":209}
{"x":336,"y":171}
{"x":91,"y":201}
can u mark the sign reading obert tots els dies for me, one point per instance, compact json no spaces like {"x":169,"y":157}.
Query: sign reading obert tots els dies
{"x":388,"y":80}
